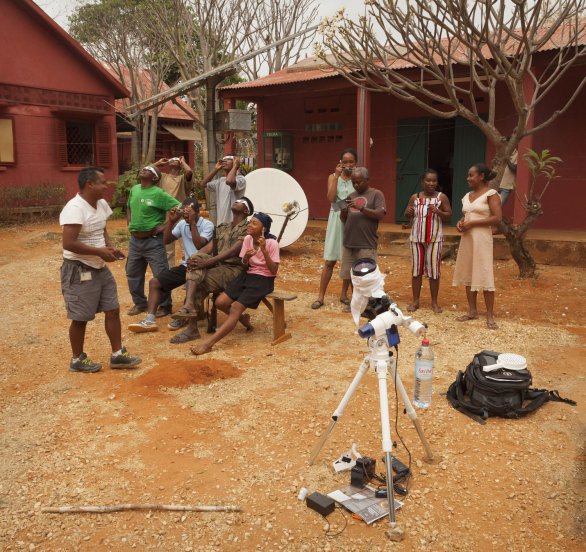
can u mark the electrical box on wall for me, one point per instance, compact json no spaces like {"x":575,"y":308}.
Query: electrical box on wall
{"x":278,"y":150}
{"x":233,"y":120}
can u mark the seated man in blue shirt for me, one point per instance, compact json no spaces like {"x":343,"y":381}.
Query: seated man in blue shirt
{"x":195,"y":232}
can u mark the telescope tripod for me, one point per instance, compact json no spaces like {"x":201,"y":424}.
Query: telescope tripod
{"x":382,"y":361}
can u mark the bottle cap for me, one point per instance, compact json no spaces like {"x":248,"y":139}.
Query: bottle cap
{"x":425,"y":342}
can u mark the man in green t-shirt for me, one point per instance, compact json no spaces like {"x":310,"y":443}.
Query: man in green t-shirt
{"x":146,"y":214}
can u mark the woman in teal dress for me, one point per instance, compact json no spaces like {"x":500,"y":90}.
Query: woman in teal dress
{"x":339,"y":188}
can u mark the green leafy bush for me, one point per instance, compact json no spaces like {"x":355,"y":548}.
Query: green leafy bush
{"x":125,"y":181}
{"x":35,"y":195}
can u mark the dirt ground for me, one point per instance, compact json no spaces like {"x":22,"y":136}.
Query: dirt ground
{"x":236,"y":427}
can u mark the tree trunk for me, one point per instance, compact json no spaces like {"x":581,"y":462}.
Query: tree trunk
{"x":150,"y":153}
{"x":144,"y":137}
{"x":521,"y":255}
{"x":134,"y":154}
{"x":515,"y":236}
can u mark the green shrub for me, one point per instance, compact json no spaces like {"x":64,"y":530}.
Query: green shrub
{"x":118,"y":213}
{"x":125,"y":181}
{"x":35,"y":195}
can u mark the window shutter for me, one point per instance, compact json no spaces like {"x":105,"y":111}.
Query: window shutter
{"x":61,"y":141}
{"x":103,"y":145}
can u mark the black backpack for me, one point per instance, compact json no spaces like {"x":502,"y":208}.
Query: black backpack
{"x":501,"y":392}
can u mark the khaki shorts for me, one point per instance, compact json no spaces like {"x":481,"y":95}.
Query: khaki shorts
{"x":83,"y":299}
{"x":198,"y":275}
{"x":349,"y":256}
{"x":213,"y":279}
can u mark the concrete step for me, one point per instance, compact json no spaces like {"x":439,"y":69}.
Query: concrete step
{"x":555,"y":248}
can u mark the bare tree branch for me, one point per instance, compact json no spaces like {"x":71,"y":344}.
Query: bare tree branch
{"x":447,"y":55}
{"x":114,"y":33}
{"x":489,"y":41}
{"x":276,"y":19}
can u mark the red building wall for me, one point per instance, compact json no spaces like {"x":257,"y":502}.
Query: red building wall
{"x":43,"y":79}
{"x":565,"y":199}
{"x":283,"y":107}
{"x":315,"y":153}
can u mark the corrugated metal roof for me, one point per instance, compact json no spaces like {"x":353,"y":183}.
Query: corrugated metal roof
{"x":285,"y":76}
{"x":313,"y":68}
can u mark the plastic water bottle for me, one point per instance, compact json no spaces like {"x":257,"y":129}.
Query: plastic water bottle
{"x":423,"y":375}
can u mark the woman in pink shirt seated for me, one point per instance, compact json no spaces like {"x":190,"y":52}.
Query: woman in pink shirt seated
{"x":260,"y":256}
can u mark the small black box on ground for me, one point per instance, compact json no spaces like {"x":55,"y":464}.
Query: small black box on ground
{"x":322,"y":504}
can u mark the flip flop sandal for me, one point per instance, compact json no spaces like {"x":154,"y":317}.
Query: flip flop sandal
{"x":317,"y":304}
{"x":345,"y":301}
{"x":466,"y":318}
{"x":183,"y":313}
{"x":184,"y":338}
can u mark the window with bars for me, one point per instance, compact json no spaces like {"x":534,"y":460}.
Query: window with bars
{"x":83,"y":143}
{"x":80,"y":143}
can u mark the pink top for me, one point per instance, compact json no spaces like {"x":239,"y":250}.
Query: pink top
{"x":257,"y":264}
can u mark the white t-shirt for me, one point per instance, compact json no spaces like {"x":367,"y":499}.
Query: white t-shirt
{"x":226,"y":196}
{"x":93,"y":223}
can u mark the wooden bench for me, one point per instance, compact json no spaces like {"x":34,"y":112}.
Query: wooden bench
{"x":277,"y":308}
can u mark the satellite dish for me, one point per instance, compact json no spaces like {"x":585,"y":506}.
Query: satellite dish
{"x":279,"y":195}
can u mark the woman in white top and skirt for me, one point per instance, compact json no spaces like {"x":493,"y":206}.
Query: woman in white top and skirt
{"x":481,"y":210}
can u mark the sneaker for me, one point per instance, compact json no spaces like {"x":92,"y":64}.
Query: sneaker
{"x":143,"y":326}
{"x":84,"y":364}
{"x":124,"y":360}
{"x":161,"y":311}
{"x":135,"y":310}
{"x":177,"y":324}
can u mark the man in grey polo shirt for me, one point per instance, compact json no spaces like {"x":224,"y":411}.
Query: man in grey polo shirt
{"x":87,"y":284}
{"x":228,"y":188}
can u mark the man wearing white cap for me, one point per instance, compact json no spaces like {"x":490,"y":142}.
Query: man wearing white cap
{"x":228,"y":188}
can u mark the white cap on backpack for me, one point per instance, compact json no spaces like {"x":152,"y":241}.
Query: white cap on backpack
{"x":509,"y":361}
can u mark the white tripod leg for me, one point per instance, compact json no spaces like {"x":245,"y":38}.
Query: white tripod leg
{"x":410,"y":410}
{"x":340,"y":409}
{"x":381,"y":367}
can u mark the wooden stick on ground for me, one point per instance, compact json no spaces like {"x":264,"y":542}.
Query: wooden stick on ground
{"x":126,"y":507}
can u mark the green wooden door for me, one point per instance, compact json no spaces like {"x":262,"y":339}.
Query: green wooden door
{"x":469,"y":148}
{"x":411,"y":158}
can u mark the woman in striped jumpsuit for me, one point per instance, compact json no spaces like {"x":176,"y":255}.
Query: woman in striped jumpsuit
{"x":427,"y":210}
